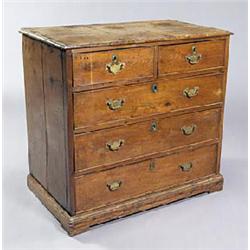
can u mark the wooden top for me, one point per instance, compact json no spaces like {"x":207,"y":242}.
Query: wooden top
{"x":95,"y":35}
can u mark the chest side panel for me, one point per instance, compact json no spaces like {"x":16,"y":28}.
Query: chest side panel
{"x":47,"y":114}
{"x":35,"y":109}
{"x":55,"y":112}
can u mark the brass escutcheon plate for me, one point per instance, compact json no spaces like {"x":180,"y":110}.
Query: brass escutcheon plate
{"x":115,"y":66}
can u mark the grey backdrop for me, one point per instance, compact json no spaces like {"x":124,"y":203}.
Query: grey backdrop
{"x":215,"y":221}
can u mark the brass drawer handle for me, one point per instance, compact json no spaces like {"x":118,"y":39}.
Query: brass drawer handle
{"x":115,"y":104}
{"x":115,"y":145}
{"x":191,"y":92}
{"x":188,"y":130}
{"x":115,"y":66}
{"x":194,"y":58}
{"x":112,"y":186}
{"x":186,"y":166}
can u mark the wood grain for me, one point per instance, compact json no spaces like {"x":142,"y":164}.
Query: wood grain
{"x":35,"y":109}
{"x":79,"y":36}
{"x":55,"y":124}
{"x":139,"y":140}
{"x":90,"y":68}
{"x":47,"y":115}
{"x":138,"y":179}
{"x":69,"y":123}
{"x":81,"y":222}
{"x":91,"y":109}
{"x":172,"y":59}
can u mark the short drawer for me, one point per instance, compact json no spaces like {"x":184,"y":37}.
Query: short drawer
{"x":116,"y":145}
{"x":113,"y":65}
{"x":191,"y":57}
{"x":130,"y":181}
{"x":107,"y":106}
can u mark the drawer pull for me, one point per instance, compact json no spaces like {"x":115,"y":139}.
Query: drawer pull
{"x":186,"y":166}
{"x":115,"y":66}
{"x":191,"y":92}
{"x":195,"y":57}
{"x":115,"y":146}
{"x":154,"y":88}
{"x":188,"y":130}
{"x":115,"y":104}
{"x":114,"y":185}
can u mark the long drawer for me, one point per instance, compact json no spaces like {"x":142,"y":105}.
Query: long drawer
{"x":100,"y":107}
{"x":130,"y":181}
{"x":116,"y":145}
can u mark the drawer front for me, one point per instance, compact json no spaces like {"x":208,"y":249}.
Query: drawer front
{"x":114,"y":65}
{"x":126,"y":182}
{"x":191,"y":57}
{"x":112,"y":146}
{"x":130,"y":102}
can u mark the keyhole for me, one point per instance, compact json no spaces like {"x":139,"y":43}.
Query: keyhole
{"x":152,"y":165}
{"x":154,"y":88}
{"x":153,"y":126}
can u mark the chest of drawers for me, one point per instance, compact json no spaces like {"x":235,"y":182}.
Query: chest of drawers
{"x":123,"y":117}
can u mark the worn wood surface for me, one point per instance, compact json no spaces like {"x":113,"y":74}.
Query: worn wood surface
{"x":35,"y":109}
{"x":55,"y":124}
{"x":92,"y":190}
{"x":69,"y":126}
{"x":172,"y":59}
{"x":90,"y":68}
{"x":81,"y":222}
{"x":138,"y":139}
{"x":78,"y":36}
{"x":91,"y":109}
{"x":78,"y":145}
{"x":47,"y":115}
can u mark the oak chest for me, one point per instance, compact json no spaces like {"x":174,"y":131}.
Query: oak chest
{"x":123,"y":117}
